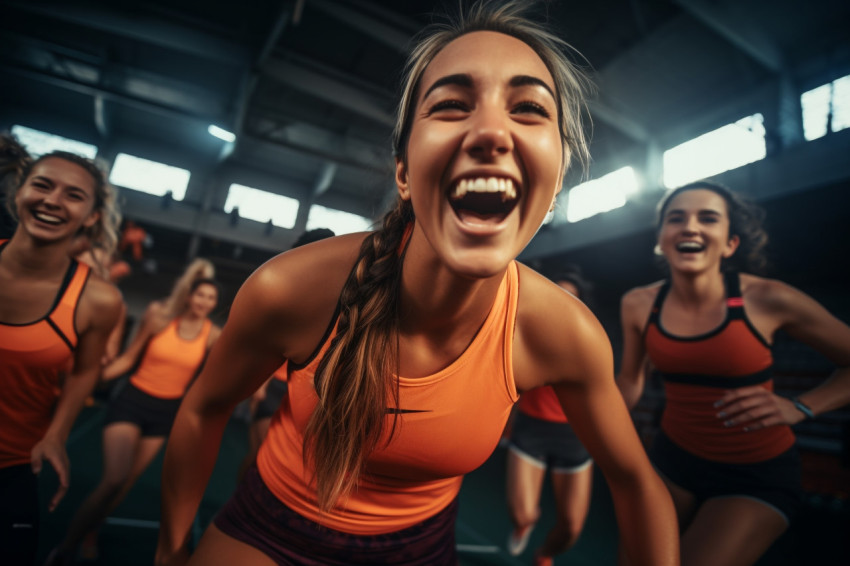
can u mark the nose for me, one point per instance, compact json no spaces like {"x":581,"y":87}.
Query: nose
{"x":52,"y":198}
{"x":489,"y":133}
{"x":690,"y":225}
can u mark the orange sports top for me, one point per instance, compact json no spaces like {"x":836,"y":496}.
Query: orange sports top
{"x":698,"y":370}
{"x":542,"y":403}
{"x":33,"y":359}
{"x":449,"y":424}
{"x":170,"y":362}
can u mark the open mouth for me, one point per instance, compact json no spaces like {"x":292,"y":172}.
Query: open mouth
{"x":689,"y":247}
{"x":488,"y":199}
{"x":46,"y":218}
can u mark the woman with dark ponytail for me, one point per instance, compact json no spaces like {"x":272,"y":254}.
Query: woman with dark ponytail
{"x":407,"y":347}
{"x":55,"y":318}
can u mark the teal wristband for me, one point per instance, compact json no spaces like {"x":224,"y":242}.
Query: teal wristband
{"x":803,"y":408}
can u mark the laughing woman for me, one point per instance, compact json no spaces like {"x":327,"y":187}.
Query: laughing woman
{"x":725,"y":448}
{"x":407,"y":347}
{"x":55,"y":318}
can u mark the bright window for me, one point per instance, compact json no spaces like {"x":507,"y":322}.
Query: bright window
{"x":262,"y":206}
{"x":819,"y":102}
{"x":337,"y":220}
{"x":723,"y":149}
{"x":601,"y":195}
{"x":149,"y":176}
{"x":37,"y":143}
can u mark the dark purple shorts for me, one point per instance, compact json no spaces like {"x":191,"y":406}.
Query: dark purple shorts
{"x":256,"y":517}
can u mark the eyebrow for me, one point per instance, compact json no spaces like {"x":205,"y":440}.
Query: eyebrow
{"x":465,"y":81}
{"x":704,"y":211}
{"x":44,"y":179}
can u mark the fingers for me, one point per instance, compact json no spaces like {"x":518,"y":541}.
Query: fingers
{"x":60,"y":464}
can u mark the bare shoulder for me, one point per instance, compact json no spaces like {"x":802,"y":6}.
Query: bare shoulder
{"x":101,"y":302}
{"x":556,"y":334}
{"x":295,"y":277}
{"x":293,"y":296}
{"x":636,"y":303}
{"x":767,"y":293}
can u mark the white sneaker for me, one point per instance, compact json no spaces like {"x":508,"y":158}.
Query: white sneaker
{"x":518,"y":540}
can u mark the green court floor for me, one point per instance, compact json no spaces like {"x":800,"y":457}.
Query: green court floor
{"x":818,"y":538}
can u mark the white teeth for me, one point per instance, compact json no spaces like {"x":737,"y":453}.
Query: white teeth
{"x":485,"y":185}
{"x":689,"y":247}
{"x":47,"y":218}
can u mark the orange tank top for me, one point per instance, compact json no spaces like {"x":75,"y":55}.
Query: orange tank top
{"x":698,"y":370}
{"x":33,"y":359}
{"x":170,"y":362}
{"x":542,"y":403}
{"x":449,"y":424}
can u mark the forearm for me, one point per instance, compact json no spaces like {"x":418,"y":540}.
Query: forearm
{"x":832,"y":394}
{"x":193,"y":447}
{"x":631,"y":390}
{"x":647,"y":521}
{"x":74,"y":393}
{"x":118,"y":367}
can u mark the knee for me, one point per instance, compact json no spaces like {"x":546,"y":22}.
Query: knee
{"x":569,"y":529}
{"x":525,"y":515}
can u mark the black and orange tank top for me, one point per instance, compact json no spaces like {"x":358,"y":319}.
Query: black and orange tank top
{"x":33,"y":358}
{"x":698,"y":370}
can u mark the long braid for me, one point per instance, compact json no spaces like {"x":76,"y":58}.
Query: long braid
{"x":355,"y":380}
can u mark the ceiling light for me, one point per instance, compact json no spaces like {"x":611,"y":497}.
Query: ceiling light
{"x":221,"y":133}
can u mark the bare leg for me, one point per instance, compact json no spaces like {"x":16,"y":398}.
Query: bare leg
{"x":120,"y":443}
{"x":572,"y":500}
{"x":524,"y":483}
{"x":733,"y":531}
{"x":219,"y":549}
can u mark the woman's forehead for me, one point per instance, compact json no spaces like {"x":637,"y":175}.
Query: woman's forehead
{"x":487,"y":55}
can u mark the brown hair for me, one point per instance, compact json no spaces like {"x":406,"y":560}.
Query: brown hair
{"x":16,"y":166}
{"x":745,"y":221}
{"x":355,"y":379}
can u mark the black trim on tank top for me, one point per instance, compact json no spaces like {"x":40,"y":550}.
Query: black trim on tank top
{"x":293,"y":366}
{"x":66,"y":280}
{"x":730,"y":382}
{"x":59,"y":333}
{"x":734,"y":311}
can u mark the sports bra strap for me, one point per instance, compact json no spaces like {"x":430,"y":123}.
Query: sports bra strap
{"x":659,"y":300}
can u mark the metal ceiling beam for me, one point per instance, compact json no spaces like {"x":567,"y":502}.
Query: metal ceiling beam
{"x":328,"y":89}
{"x":141,"y":28}
{"x":108,"y":95}
{"x":387,"y":34}
{"x":619,"y":121}
{"x":737,"y":30}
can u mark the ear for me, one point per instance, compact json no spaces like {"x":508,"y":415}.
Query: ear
{"x":401,"y":179}
{"x":731,"y":246}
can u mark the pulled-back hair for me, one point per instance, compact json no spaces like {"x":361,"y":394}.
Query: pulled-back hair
{"x":16,"y":165}
{"x":571,"y":84}
{"x":745,"y":221}
{"x":355,"y":380}
{"x":198,"y":272}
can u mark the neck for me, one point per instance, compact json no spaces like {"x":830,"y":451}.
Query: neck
{"x":434,"y":300}
{"x":697,"y":288}
{"x":29,"y":258}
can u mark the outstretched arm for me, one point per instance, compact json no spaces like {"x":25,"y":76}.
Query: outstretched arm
{"x":152,"y":322}
{"x":560,"y":343}
{"x":240,"y":361}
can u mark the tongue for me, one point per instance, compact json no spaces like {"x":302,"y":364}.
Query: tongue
{"x":472,"y":217}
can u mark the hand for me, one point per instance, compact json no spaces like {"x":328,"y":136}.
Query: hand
{"x":755,"y":407}
{"x":52,"y":450}
{"x":177,"y":558}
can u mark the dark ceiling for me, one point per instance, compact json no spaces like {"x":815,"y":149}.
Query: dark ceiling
{"x":309,"y":85}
